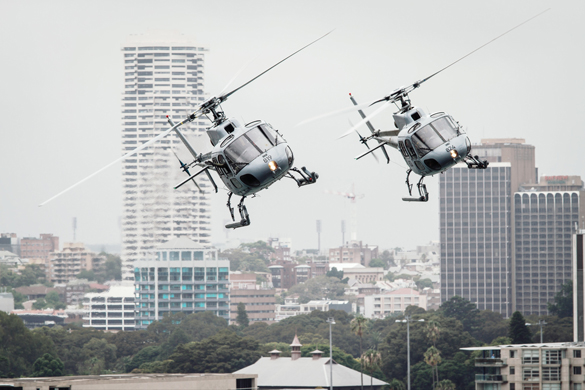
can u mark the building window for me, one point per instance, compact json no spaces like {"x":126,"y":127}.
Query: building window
{"x":530,"y":374}
{"x":512,"y":353}
{"x":552,"y":373}
{"x":576,"y":353}
{"x":512,"y":370}
{"x":530,"y":356}
{"x":577,"y":386}
{"x":512,"y":386}
{"x":577,"y":370}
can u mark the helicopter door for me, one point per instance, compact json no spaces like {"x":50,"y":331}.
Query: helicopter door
{"x":409,"y":148}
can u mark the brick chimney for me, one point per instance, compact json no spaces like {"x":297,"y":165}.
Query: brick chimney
{"x":295,"y":348}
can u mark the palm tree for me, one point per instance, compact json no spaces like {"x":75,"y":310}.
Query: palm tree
{"x":372,"y":360}
{"x":396,"y":384}
{"x":358,"y":325}
{"x":433,"y":355}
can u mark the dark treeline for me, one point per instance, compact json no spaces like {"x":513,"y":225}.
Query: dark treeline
{"x":203,"y":342}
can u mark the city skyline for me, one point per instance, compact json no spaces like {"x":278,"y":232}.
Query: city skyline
{"x":516,"y":87}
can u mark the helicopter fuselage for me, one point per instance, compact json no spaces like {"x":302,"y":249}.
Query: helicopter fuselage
{"x":249,"y":158}
{"x":429,"y":144}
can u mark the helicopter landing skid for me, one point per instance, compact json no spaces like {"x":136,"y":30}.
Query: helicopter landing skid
{"x":243,"y":214}
{"x":422,"y":190}
{"x":473,"y":162}
{"x":306,"y":176}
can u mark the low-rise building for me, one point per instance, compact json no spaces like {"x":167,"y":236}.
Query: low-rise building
{"x":382,"y":305}
{"x":551,"y":366}
{"x":354,"y":252}
{"x":296,"y":372}
{"x":39,"y":318}
{"x":260,"y":304}
{"x":110,"y":310}
{"x":364,"y":275}
{"x":135,"y":381}
{"x":291,"y":309}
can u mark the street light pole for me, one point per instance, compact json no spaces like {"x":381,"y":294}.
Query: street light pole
{"x":331,"y":321}
{"x":408,"y":320}
{"x":541,"y":323}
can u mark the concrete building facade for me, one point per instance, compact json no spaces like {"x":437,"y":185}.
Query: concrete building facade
{"x":164,"y":75}
{"x":551,"y":366}
{"x":110,"y":310}
{"x":182,"y":277}
{"x":260,"y":304}
{"x":353,"y":252}
{"x":39,"y":248}
{"x":66,"y":264}
{"x":544,"y":225}
{"x":382,"y":305}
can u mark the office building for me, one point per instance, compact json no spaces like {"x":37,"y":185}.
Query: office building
{"x":9,"y":242}
{"x":163,"y":75}
{"x":110,"y":310}
{"x":260,"y":303}
{"x":475,"y":237}
{"x":477,"y":224}
{"x":546,"y":216}
{"x":578,"y":286}
{"x":182,"y":277}
{"x":551,"y":366}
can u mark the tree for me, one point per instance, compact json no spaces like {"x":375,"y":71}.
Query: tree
{"x":379,"y":263}
{"x":358,"y":325}
{"x":424,"y":283}
{"x":396,"y":384}
{"x":518,"y":332}
{"x":433,"y":355}
{"x":491,"y":326}
{"x":225,"y":352}
{"x":242,"y":317}
{"x":563,"y":301}
{"x":463,"y":310}
{"x":48,"y":365}
{"x":371,"y":361}
{"x":99,"y":356}
{"x":334,"y":273}
{"x":445,"y":384}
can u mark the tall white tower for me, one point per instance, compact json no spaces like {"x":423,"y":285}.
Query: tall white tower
{"x":164,"y":74}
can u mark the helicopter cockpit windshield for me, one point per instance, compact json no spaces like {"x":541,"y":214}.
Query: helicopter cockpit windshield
{"x":250,"y":145}
{"x":433,"y":135}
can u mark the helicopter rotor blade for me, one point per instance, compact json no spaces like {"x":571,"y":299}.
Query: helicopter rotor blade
{"x":366,"y":119}
{"x":129,"y":154}
{"x":334,"y":113}
{"x":418,"y":83}
{"x":225,"y":96}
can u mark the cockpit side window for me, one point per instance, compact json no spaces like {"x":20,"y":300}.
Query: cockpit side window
{"x":241,"y":152}
{"x":269,"y":132}
{"x":445,"y":128}
{"x":260,"y":139}
{"x":410,"y":148}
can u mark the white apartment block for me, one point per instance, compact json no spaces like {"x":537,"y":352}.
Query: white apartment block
{"x":382,"y":305}
{"x":164,"y":75}
{"x":110,"y":310}
{"x":551,"y":366}
{"x":66,"y":264}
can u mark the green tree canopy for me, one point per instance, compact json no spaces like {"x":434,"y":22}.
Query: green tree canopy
{"x":518,"y":332}
{"x":463,"y":310}
{"x":563,"y":301}
{"x":224,"y":352}
{"x":48,"y":365}
{"x":319,"y":288}
{"x":242,"y":317}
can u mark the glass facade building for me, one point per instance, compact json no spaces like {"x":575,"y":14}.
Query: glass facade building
{"x":182,"y":277}
{"x":475,"y":235}
{"x":163,"y":75}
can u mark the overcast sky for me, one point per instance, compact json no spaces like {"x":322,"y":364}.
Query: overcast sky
{"x":61,"y":79}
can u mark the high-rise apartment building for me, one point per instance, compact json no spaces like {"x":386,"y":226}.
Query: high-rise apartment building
{"x":163,"y":75}
{"x":546,"y":216}
{"x":183,"y":277}
{"x":66,"y":264}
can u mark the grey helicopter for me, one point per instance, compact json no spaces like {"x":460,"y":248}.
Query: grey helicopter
{"x":247,"y":157}
{"x":429,"y":143}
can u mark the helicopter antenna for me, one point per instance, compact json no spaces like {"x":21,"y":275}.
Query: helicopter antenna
{"x":401,"y":93}
{"x":225,"y":96}
{"x":418,"y":83}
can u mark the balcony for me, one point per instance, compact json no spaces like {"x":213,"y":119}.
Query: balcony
{"x":491,"y":378}
{"x":490,"y":362}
